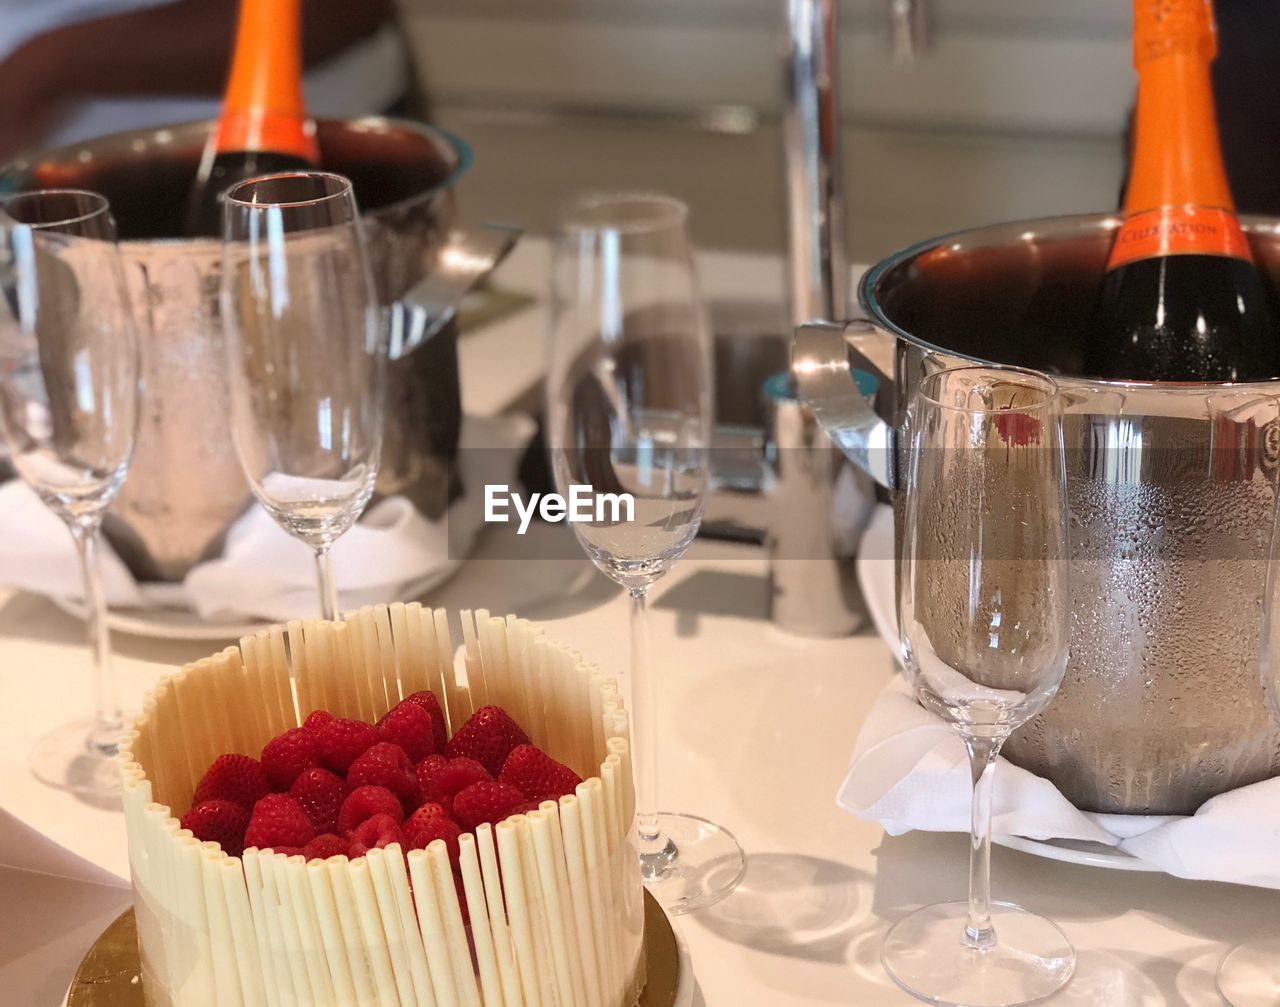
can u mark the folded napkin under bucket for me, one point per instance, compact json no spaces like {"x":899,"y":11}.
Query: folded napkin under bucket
{"x":1171,"y":491}
{"x":185,"y":488}
{"x":910,"y":771}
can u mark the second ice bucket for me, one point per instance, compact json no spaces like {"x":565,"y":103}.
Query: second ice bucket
{"x":185,"y":487}
{"x":1171,"y":490}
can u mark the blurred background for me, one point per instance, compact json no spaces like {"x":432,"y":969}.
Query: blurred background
{"x":1008,"y":110}
{"x":1011,"y":109}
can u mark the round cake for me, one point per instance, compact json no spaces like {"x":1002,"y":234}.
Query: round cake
{"x":339,"y":813}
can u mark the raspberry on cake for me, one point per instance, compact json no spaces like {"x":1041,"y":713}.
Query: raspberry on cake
{"x":365,"y":802}
{"x":486,"y":802}
{"x":487,"y":737}
{"x":455,"y":775}
{"x":287,"y":756}
{"x":278,"y":820}
{"x":218,"y":821}
{"x":325,"y":846}
{"x":342,"y":740}
{"x":386,"y":765}
{"x":321,"y":795}
{"x":376,"y":833}
{"x":427,"y":700}
{"x":236,"y":778}
{"x":536,"y":775}
{"x":410,"y":726}
{"x":381,"y":856}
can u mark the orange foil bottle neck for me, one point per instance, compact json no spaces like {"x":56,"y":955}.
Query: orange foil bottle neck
{"x":1164,"y":26}
{"x":263,"y":109}
{"x":1178,"y":198}
{"x":1177,"y":159}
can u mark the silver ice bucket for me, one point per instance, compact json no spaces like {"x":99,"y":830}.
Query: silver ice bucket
{"x":185,"y":487}
{"x":1171,"y":489}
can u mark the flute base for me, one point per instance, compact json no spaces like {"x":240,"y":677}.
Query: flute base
{"x":926,"y":955}
{"x":64,"y":759}
{"x":1250,"y":975}
{"x":695,"y":864}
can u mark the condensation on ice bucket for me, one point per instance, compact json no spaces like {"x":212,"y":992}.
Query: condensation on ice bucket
{"x":1171,"y":492}
{"x":185,"y":487}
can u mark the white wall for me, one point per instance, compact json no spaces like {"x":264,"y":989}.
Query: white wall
{"x":1015,"y":110}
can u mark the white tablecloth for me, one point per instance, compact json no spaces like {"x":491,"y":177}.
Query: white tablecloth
{"x":756,"y":732}
{"x":757,"y":728}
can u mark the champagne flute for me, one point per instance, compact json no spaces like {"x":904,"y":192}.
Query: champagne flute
{"x":69,"y":391}
{"x":984,"y":611}
{"x":306,"y":355}
{"x":629,"y":412}
{"x":1249,"y":975}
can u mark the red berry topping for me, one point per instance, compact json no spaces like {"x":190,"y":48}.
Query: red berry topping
{"x":386,"y":765}
{"x":1018,"y":429}
{"x":429,"y":823}
{"x":278,"y":820}
{"x":321,"y":795}
{"x":218,"y":821}
{"x":375,"y":833}
{"x":365,"y":802}
{"x":316,"y":719}
{"x":426,"y":770}
{"x":288,"y":851}
{"x":427,"y":700}
{"x":236,"y":778}
{"x":487,"y":737}
{"x":409,"y":726}
{"x":287,"y":755}
{"x":486,"y":802}
{"x":453,"y":776}
{"x":424,"y":813}
{"x":326,"y":846}
{"x":342,"y":741}
{"x":536,"y":775}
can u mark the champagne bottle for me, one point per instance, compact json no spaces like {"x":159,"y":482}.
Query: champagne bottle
{"x":264,"y":125}
{"x":1182,"y":299}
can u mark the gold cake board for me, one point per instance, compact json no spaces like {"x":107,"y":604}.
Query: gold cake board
{"x":109,"y":974}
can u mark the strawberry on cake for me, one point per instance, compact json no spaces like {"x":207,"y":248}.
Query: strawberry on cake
{"x":331,"y":814}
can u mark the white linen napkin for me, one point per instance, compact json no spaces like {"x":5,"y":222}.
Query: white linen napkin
{"x":264,"y":572}
{"x":910,"y":771}
{"x":37,"y":554}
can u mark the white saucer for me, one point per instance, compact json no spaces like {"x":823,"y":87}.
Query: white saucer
{"x":163,"y":623}
{"x":1078,"y":851}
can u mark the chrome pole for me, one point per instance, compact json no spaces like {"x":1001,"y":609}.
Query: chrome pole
{"x":818,"y":270}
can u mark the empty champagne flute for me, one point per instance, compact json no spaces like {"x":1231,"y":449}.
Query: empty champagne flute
{"x":629,"y":412}
{"x":69,"y":390}
{"x":984,"y":611}
{"x":306,"y":355}
{"x":1249,"y":976}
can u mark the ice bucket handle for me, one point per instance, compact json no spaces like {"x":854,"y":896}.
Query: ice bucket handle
{"x":461,"y":262}
{"x":824,"y":358}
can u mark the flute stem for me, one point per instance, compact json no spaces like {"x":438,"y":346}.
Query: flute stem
{"x":328,"y":590}
{"x":108,"y":717}
{"x":978,"y":931}
{"x":657,"y":852}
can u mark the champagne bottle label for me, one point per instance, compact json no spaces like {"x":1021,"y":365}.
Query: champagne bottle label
{"x":1179,"y":230}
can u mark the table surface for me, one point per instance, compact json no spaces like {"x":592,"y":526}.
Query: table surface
{"x":757,"y":727}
